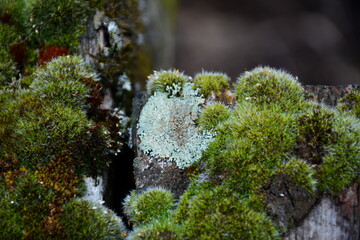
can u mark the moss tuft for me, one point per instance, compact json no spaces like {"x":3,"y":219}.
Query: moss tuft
{"x":221,"y":214}
{"x":341,"y":164}
{"x":83,"y":220}
{"x":153,"y":203}
{"x":212,"y":115}
{"x":8,"y":69}
{"x":301,"y":173}
{"x":211,"y":83}
{"x":71,"y":15}
{"x":250,"y":145}
{"x":171,"y":82}
{"x":158,"y":229}
{"x":49,"y":119}
{"x":64,"y":80}
{"x":315,"y":132}
{"x":351,"y":102}
{"x":265,"y":85}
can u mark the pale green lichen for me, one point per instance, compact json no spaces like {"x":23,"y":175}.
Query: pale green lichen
{"x":171,"y":133}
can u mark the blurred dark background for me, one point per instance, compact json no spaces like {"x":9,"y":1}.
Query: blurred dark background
{"x":316,"y":40}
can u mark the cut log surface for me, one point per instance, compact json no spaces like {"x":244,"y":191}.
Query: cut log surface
{"x":323,"y":219}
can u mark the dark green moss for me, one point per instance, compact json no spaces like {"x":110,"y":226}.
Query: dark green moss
{"x":11,"y":12}
{"x":60,"y":25}
{"x":27,"y":201}
{"x":315,"y":132}
{"x":83,"y":220}
{"x":8,"y":69}
{"x":351,"y":102}
{"x":64,"y":80}
{"x":8,"y":36}
{"x":43,"y":204}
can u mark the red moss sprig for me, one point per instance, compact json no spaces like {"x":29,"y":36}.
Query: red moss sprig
{"x":48,"y":53}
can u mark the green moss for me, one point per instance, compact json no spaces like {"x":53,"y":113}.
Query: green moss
{"x":221,"y":214}
{"x":301,"y":174}
{"x":181,"y":213}
{"x":8,"y":69}
{"x":341,"y":164}
{"x":171,"y":82}
{"x":60,"y":25}
{"x":211,"y":83}
{"x":65,"y":80}
{"x":49,"y":119}
{"x":153,"y":203}
{"x":264,"y":86}
{"x":212,"y":115}
{"x":83,"y":220}
{"x":250,"y":145}
{"x":8,"y":36}
{"x":11,"y":12}
{"x":27,"y":201}
{"x":43,"y":205}
{"x":351,"y":102}
{"x":315,"y":132}
{"x":158,"y":229}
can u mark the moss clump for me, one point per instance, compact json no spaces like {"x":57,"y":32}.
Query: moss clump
{"x":340,"y":166}
{"x":264,"y":86}
{"x":181,"y":212}
{"x":8,"y":69}
{"x":8,"y":36}
{"x":60,"y":25}
{"x":315,"y":132}
{"x":83,"y":220}
{"x":351,"y":102}
{"x":212,"y":115}
{"x":27,"y":201}
{"x":65,"y":80}
{"x":11,"y":11}
{"x":301,"y":173}
{"x":153,"y":203}
{"x":212,"y":83}
{"x":250,"y":145}
{"x":221,"y":214}
{"x":157,"y":229}
{"x":43,"y":205}
{"x":171,"y":82}
{"x":49,"y":119}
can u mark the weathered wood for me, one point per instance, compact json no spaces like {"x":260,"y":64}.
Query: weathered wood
{"x":332,"y":219}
